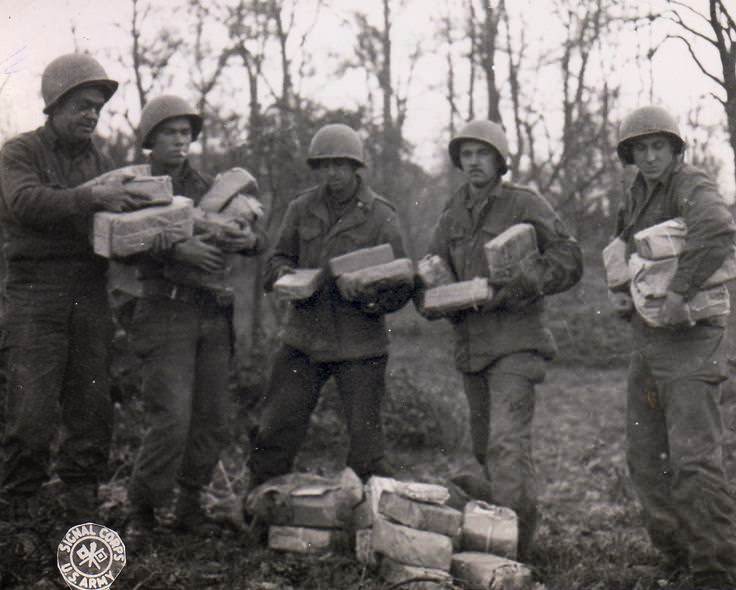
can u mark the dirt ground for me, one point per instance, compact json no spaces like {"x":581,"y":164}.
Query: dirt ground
{"x":590,"y":534}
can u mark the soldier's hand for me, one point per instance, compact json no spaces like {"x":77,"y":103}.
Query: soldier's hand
{"x":199,"y":254}
{"x":623,"y":305}
{"x":675,"y":311}
{"x":239,"y":240}
{"x":115,"y":198}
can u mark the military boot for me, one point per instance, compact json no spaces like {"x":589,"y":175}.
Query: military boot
{"x":139,"y":528}
{"x":79,"y":503}
{"x":190,"y":516}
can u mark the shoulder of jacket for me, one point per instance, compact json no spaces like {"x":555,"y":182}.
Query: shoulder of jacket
{"x":306,"y":195}
{"x":686,"y":178}
{"x":518,"y":189}
{"x":383,"y":202}
{"x":24,"y":140}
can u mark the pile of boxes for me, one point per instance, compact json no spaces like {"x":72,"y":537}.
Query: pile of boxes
{"x":404,"y":531}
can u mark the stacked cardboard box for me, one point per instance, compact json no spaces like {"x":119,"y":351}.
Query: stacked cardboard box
{"x":458,"y":296}
{"x":654,"y":266}
{"x":360,"y":259}
{"x":615,"y":265}
{"x":434,"y":272}
{"x":505,"y":252}
{"x":377,"y":277}
{"x":307,"y":513}
{"x":484,"y":571}
{"x":226,"y":186}
{"x":124,"y":234}
{"x":300,"y":284}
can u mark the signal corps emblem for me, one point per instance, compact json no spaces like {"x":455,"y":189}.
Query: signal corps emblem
{"x":90,"y":556}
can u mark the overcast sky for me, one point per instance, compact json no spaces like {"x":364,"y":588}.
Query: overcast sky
{"x":36,"y":31}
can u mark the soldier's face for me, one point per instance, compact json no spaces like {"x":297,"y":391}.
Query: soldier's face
{"x":652,"y":155}
{"x":479,"y":162}
{"x":75,"y":119}
{"x":171,"y":141}
{"x":337,"y":173}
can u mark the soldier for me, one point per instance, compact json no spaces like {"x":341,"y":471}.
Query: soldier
{"x":328,"y":335}
{"x":673,"y":426}
{"x":57,"y":320}
{"x":502,"y":347}
{"x":184,"y":334}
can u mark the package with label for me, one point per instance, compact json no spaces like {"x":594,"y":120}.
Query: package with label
{"x":123,"y":234}
{"x":132,"y":279}
{"x":424,"y":516}
{"x":662,"y":240}
{"x":224,"y":188}
{"x":459,"y":296}
{"x":483,"y":571}
{"x":490,"y":529}
{"x":411,"y":546}
{"x":307,"y":540}
{"x":300,"y":284}
{"x":507,"y":250}
{"x":360,"y":259}
{"x":615,"y":265}
{"x":307,"y":499}
{"x":433,"y":272}
{"x":381,"y":276}
{"x":398,"y":575}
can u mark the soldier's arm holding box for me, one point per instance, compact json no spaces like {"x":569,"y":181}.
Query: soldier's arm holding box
{"x":555,"y":268}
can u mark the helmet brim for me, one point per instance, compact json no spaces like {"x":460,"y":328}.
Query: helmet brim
{"x":195,"y":120}
{"x":623,"y":149}
{"x":108,"y":87}
{"x":454,"y":150}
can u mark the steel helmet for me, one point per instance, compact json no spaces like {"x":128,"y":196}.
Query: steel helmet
{"x":162,"y":108}
{"x":647,"y":121}
{"x":71,"y":71}
{"x":485,"y":131}
{"x":336,"y":140}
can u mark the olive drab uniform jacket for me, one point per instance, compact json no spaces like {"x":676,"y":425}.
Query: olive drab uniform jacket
{"x":326,"y":326}
{"x":484,"y":336}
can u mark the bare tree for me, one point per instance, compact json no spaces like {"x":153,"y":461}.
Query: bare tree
{"x":720,"y":25}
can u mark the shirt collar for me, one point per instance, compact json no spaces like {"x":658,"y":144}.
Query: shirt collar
{"x":663,"y":180}
{"x":489,"y":192}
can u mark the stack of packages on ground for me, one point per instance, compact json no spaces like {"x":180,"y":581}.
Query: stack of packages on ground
{"x":307,"y":513}
{"x":505,"y":254}
{"x":653,"y":266}
{"x":223,"y":214}
{"x":414,"y":538}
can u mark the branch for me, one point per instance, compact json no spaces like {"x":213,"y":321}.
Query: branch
{"x":681,"y":23}
{"x":697,"y":60}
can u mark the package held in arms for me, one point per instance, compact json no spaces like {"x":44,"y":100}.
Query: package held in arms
{"x":124,"y":234}
{"x":505,"y":252}
{"x":615,"y":265}
{"x":662,"y":240}
{"x":433,"y":272}
{"x":304,"y":499}
{"x":379,"y":277}
{"x":483,"y":571}
{"x":360,"y":259}
{"x":225,"y":187}
{"x":458,"y":296}
{"x":137,"y":180}
{"x":490,"y":529}
{"x":300,"y":284}
{"x":651,"y":279}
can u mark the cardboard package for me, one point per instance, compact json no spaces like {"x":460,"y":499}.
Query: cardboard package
{"x":490,"y":529}
{"x":507,"y":250}
{"x":423,"y":516}
{"x":615,"y":265}
{"x":663,"y":240}
{"x":360,"y":259}
{"x":300,"y":284}
{"x":399,"y":574}
{"x":458,"y":296}
{"x":411,"y":546}
{"x":120,"y":174}
{"x":381,"y":276}
{"x":306,"y":499}
{"x":307,"y":540}
{"x":434,"y":272}
{"x":123,"y":234}
{"x":483,"y":571}
{"x":224,"y":188}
